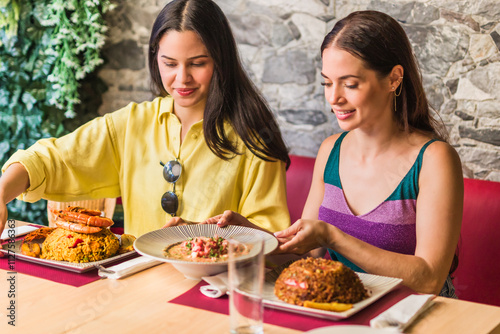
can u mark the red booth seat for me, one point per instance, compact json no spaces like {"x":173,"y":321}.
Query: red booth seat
{"x":478,"y":273}
{"x":298,"y":182}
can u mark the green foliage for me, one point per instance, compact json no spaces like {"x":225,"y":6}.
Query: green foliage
{"x":48,"y":49}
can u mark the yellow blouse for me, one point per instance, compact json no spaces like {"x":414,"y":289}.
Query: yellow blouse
{"x":119,"y":154}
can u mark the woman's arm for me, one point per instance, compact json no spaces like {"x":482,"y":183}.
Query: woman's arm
{"x":52,"y":168}
{"x":439,"y":215}
{"x":13,"y":182}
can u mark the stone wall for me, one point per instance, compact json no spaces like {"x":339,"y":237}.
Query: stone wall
{"x":456,"y":42}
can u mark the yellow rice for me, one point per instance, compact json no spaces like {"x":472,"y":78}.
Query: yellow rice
{"x":64,"y":245}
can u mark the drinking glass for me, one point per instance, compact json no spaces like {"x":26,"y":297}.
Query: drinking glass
{"x":246,"y":282}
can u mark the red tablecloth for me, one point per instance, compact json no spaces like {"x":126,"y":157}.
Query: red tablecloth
{"x":51,"y":274}
{"x":195,"y":298}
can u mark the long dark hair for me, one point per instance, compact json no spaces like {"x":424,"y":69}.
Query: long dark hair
{"x":381,"y":43}
{"x":232,"y":96}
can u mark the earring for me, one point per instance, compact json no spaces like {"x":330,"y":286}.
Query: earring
{"x":400,"y":87}
{"x":396,"y":91}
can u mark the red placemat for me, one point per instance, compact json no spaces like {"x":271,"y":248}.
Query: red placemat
{"x":195,"y":298}
{"x":55,"y":274}
{"x":50,"y":273}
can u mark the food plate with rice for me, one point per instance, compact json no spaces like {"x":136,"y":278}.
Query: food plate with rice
{"x":108,"y":244}
{"x":377,"y":287}
{"x":70,"y":266}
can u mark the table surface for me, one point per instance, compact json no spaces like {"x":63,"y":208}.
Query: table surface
{"x":139,"y":304}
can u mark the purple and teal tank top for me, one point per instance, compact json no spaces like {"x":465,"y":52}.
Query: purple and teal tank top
{"x":390,"y":226}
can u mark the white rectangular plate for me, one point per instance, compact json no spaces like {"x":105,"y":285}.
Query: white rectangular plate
{"x":70,"y":266}
{"x":377,"y":287}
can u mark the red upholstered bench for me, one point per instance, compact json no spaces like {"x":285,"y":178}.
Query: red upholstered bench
{"x":478,"y":274}
{"x":477,"y":277}
{"x":298,"y":182}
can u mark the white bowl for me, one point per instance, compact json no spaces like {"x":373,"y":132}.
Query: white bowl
{"x":153,"y":243}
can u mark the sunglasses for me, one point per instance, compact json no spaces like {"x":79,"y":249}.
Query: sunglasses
{"x":171,"y":172}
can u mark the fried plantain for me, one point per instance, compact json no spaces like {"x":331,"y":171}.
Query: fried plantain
{"x":334,"y":306}
{"x":31,"y":249}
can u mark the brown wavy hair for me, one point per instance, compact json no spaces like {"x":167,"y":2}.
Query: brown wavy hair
{"x":381,"y":43}
{"x":232,"y":96}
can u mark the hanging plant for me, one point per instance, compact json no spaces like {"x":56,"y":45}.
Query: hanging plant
{"x":47,"y":49}
{"x":78,"y":35}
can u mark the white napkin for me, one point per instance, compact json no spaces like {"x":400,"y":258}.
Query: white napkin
{"x":127,"y":268}
{"x":399,"y":316}
{"x":18,"y":231}
{"x":218,"y":285}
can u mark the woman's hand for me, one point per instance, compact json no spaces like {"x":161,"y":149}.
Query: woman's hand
{"x":229,"y":218}
{"x":232,"y":218}
{"x":13,"y":182}
{"x":303,"y":236}
{"x":177,"y":221}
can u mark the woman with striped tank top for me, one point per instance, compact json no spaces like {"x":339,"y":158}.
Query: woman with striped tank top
{"x":387,"y":194}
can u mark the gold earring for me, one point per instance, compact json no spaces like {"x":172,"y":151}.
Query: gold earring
{"x":400,"y":87}
{"x":396,"y":91}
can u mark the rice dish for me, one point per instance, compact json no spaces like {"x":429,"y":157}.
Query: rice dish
{"x":320,"y":281}
{"x":64,"y":245}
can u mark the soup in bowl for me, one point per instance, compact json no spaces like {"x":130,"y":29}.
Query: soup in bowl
{"x":201,"y":250}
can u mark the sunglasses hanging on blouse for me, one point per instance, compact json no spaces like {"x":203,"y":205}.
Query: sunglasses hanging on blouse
{"x":171,"y":172}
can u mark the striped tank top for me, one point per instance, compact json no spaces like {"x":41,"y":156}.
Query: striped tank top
{"x":390,"y":226}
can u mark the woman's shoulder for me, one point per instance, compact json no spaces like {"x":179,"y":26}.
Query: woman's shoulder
{"x":437,"y":150}
{"x":325,"y":149}
{"x":440,"y":159}
{"x":327,"y":145}
{"x":145,"y":110}
{"x":434,"y":151}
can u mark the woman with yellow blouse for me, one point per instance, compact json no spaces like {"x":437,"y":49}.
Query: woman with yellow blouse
{"x":207,"y":143}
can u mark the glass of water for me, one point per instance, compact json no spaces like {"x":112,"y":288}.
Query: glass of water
{"x":246,"y":282}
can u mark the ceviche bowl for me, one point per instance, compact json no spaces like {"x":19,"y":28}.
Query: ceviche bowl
{"x":153,"y":245}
